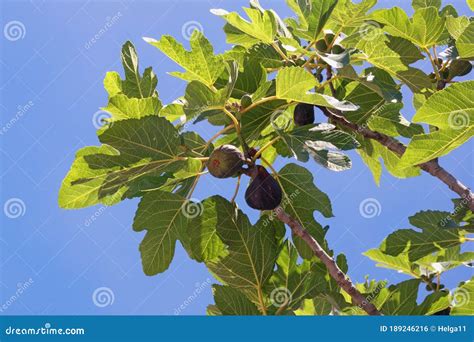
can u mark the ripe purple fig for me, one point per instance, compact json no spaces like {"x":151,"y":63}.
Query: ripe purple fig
{"x":303,"y":114}
{"x":264,"y":192}
{"x":225,"y":161}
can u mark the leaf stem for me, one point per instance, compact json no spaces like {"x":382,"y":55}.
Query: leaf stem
{"x":263,"y":308}
{"x":281,"y":53}
{"x":236,"y":192}
{"x":433,"y":64}
{"x":270,"y":166}
{"x":264,"y":147}
{"x":258,"y":103}
{"x":237,"y":130}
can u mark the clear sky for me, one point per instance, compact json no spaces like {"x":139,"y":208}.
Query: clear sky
{"x":51,"y":86}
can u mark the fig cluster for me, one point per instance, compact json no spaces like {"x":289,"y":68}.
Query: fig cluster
{"x":263,"y":192}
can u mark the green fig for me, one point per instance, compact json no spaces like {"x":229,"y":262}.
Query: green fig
{"x":303,"y":114}
{"x":246,"y":101}
{"x":459,"y":67}
{"x":321,"y":45}
{"x":225,"y":161}
{"x":329,"y":37}
{"x":337,"y":50}
{"x":264,"y":192}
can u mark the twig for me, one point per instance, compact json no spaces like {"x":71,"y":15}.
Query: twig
{"x":342,"y":280}
{"x":237,"y":187}
{"x":432,"y":167}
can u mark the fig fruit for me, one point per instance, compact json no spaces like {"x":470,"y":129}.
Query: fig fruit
{"x":329,"y":37}
{"x":246,"y":101}
{"x":225,"y":161}
{"x":264,"y":192}
{"x":303,"y":114}
{"x":321,"y":45}
{"x":337,"y":49}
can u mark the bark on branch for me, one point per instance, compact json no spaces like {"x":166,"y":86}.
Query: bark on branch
{"x":342,"y":280}
{"x":432,"y":167}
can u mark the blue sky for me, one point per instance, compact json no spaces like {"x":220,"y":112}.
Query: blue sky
{"x":51,"y":86}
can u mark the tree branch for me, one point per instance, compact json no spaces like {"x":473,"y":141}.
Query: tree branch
{"x":342,"y":280}
{"x":432,"y":167}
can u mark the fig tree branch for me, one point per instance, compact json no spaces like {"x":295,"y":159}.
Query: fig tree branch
{"x":432,"y":167}
{"x":342,"y":280}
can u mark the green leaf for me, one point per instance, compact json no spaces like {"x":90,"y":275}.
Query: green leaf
{"x":135,"y":85}
{"x":250,"y":79}
{"x":267,"y":57}
{"x":173,"y":111}
{"x":416,"y":4}
{"x":200,"y":63}
{"x":206,"y":244}
{"x":262,"y":27}
{"x":463,"y":297}
{"x":402,"y":300}
{"x":437,"y":232}
{"x":133,"y":149}
{"x":303,"y":197}
{"x":296,"y":142}
{"x":470,"y":3}
{"x":425,"y":29}
{"x":230,"y":301}
{"x":388,"y":120}
{"x":331,"y":160}
{"x":348,"y":16}
{"x":312,"y":15}
{"x":257,"y":119}
{"x":465,"y":42}
{"x":161,"y":214}
{"x":200,"y":99}
{"x":372,"y":152}
{"x":292,"y":282}
{"x":122,"y":107}
{"x":378,"y":52}
{"x":294,"y":83}
{"x":134,"y":97}
{"x":252,"y":250}
{"x":456,"y":26}
{"x":452,"y":111}
{"x":400,"y":263}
